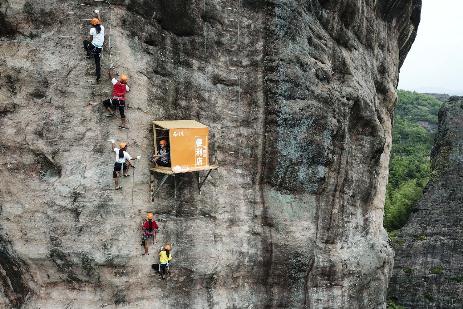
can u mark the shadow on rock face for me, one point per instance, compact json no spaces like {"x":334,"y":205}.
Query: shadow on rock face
{"x":39,"y":16}
{"x":181,"y":17}
{"x":254,"y":4}
{"x":120,"y":297}
{"x":48,"y":168}
{"x":6,"y":28}
{"x":12,"y":282}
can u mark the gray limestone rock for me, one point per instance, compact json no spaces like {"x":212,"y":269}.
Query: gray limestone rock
{"x":428,"y":266}
{"x":298,"y":96}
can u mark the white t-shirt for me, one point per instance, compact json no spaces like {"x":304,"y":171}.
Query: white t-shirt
{"x":122,"y":160}
{"x":98,"y":38}
{"x":114,"y":81}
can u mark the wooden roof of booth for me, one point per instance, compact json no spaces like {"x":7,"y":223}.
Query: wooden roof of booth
{"x":179,"y":124}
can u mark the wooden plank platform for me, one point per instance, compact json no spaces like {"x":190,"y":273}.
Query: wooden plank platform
{"x":169,"y":171}
{"x":162,"y":170}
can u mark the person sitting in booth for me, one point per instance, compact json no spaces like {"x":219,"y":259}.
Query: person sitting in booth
{"x":162,"y":158}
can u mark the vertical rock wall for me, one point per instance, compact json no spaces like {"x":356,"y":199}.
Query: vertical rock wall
{"x":298,"y":96}
{"x":429,"y":255}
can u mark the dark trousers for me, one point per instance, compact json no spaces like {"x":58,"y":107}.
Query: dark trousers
{"x":113,"y":104}
{"x":163,"y":268}
{"x":96,"y":52}
{"x":160,"y":163}
{"x":119,"y":167}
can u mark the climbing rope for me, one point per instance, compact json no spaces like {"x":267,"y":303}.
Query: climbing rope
{"x":133,"y":182}
{"x":239,"y":49}
{"x":111,"y":66}
{"x":205,"y":34}
{"x":109,"y":34}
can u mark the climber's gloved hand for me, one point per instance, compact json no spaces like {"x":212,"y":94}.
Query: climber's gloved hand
{"x":138,"y":157}
{"x":97,"y":11}
{"x":112,"y":141}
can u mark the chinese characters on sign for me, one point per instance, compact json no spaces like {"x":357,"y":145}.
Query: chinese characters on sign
{"x":178,"y":133}
{"x":200,"y":152}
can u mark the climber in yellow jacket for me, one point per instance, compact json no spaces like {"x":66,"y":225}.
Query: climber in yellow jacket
{"x":164,"y":258}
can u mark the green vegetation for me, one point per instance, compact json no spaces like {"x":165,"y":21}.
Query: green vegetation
{"x":421,"y":237}
{"x":437,"y":270}
{"x":392,"y":305}
{"x":458,"y":279}
{"x":428,"y":297}
{"x":415,"y":121}
{"x":408,"y":270}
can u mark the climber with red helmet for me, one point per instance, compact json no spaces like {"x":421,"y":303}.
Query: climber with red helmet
{"x":117,"y":100}
{"x":94,"y":45}
{"x":150,"y":229}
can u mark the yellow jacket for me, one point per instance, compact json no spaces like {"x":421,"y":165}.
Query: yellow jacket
{"x":163,"y":258}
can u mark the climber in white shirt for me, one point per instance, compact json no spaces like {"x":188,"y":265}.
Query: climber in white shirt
{"x":94,"y":45}
{"x":121,"y":166}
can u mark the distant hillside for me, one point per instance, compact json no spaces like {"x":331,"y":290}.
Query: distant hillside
{"x":415,"y":123}
{"x":441,"y":97}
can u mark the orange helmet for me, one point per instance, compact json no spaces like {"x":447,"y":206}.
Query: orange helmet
{"x":167,"y":247}
{"x":163,"y":142}
{"x":95,"y":21}
{"x":122,"y":145}
{"x":123,"y":78}
{"x":149,"y":216}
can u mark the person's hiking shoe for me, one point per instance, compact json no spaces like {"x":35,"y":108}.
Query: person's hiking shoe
{"x":124,"y":128}
{"x":118,"y":188}
{"x":126,"y":175}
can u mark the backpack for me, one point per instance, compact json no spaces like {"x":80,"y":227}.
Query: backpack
{"x":119,"y":91}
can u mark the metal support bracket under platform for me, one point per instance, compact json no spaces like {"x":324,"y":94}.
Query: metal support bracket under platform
{"x":201,"y":182}
{"x":156,"y":185}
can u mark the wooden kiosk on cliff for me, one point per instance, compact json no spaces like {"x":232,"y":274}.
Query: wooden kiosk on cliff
{"x":188,"y":141}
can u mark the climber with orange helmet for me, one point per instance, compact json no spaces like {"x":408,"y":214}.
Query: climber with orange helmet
{"x":150,"y":229}
{"x":117,"y":100}
{"x":165,"y":256}
{"x":122,"y":162}
{"x":94,"y":45}
{"x":162,"y":158}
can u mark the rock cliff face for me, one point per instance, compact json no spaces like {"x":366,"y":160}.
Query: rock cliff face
{"x":298,"y":96}
{"x":429,"y":255}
